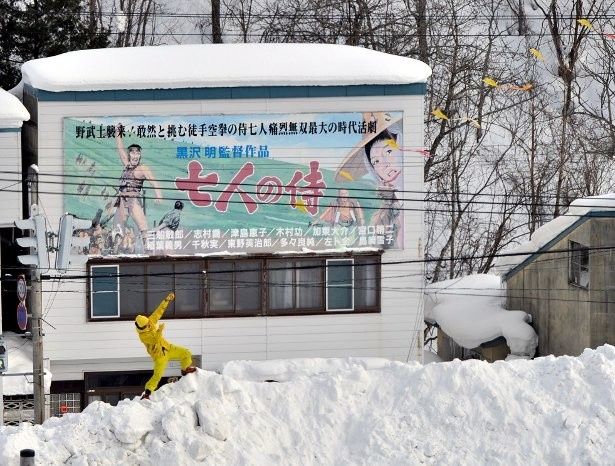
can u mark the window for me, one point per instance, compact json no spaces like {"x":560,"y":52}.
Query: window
{"x":340,"y":282}
{"x":366,"y":282}
{"x":235,"y":287}
{"x":188,"y":288}
{"x":295,"y":285}
{"x":143,"y":285}
{"x":132,"y":290}
{"x":104,"y":296}
{"x":578,"y":270}
{"x":220,"y":280}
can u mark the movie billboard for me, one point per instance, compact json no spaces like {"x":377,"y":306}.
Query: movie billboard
{"x":207,"y":184}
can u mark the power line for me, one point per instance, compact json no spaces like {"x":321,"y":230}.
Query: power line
{"x":279,"y":204}
{"x":308,"y":36}
{"x":338,"y":257}
{"x":515,"y":199}
{"x":587,"y":202}
{"x":251,"y":284}
{"x":440,"y":15}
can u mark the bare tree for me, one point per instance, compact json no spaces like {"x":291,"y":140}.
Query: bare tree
{"x":503,"y":162}
{"x":243,"y":18}
{"x":567,"y":36}
{"x":138,"y":23}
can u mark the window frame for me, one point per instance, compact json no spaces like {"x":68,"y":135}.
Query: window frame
{"x":295,"y":310}
{"x":234,"y":312}
{"x":576,"y":264}
{"x":91,"y":292}
{"x":265,"y":261}
{"x":327,"y":286}
{"x":376,"y":261}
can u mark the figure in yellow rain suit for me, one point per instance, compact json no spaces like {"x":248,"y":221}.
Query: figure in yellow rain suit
{"x":160,"y":350}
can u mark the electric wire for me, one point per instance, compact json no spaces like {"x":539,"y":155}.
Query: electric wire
{"x":316,"y":256}
{"x":510,"y":202}
{"x":514,"y":200}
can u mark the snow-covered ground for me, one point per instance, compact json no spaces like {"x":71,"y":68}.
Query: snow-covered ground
{"x":349,"y":411}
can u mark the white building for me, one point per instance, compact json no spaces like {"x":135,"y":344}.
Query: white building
{"x":283,"y":239}
{"x":12,"y":116}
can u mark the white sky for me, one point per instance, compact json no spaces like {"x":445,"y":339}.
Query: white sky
{"x":220,"y":65}
{"x":349,"y":411}
{"x":12,"y":112}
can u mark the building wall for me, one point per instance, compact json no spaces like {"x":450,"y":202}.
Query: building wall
{"x":560,"y":311}
{"x":602,"y":282}
{"x":10,"y":174}
{"x":75,"y":346}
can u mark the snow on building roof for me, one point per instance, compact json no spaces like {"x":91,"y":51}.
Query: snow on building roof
{"x":577,"y":210}
{"x":470,"y":310}
{"x":220,"y":65}
{"x":12,"y":111}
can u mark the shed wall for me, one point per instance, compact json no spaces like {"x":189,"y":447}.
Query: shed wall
{"x":602,"y":282}
{"x":560,"y":311}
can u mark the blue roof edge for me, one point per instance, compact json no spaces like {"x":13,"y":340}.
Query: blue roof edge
{"x":532,"y":256}
{"x":10,"y":130}
{"x":256,"y":92}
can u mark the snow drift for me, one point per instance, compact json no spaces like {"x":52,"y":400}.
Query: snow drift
{"x":543,"y":411}
{"x":471,"y":311}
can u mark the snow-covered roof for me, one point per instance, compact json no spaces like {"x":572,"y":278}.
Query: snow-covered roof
{"x":12,"y":111}
{"x":220,"y":65}
{"x":578,"y":209}
{"x":470,"y":310}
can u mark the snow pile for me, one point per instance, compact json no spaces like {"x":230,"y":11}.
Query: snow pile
{"x":20,"y":362}
{"x":12,"y":111}
{"x":470,"y":310}
{"x":284,"y":370}
{"x":550,"y":230}
{"x":221,"y":65}
{"x":544,"y":411}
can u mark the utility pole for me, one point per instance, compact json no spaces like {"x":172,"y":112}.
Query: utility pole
{"x":36,"y":306}
{"x":216,"y":30}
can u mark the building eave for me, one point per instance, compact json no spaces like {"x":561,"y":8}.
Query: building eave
{"x":532,"y":256}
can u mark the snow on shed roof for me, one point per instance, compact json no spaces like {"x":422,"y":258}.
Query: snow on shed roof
{"x":12,"y":111}
{"x":471,"y":311}
{"x":577,"y":210}
{"x":220,"y":65}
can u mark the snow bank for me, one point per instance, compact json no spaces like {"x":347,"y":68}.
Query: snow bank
{"x":220,"y":65}
{"x":284,"y":370}
{"x":550,"y":230}
{"x":470,"y":310}
{"x":543,"y":411}
{"x":12,"y":111}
